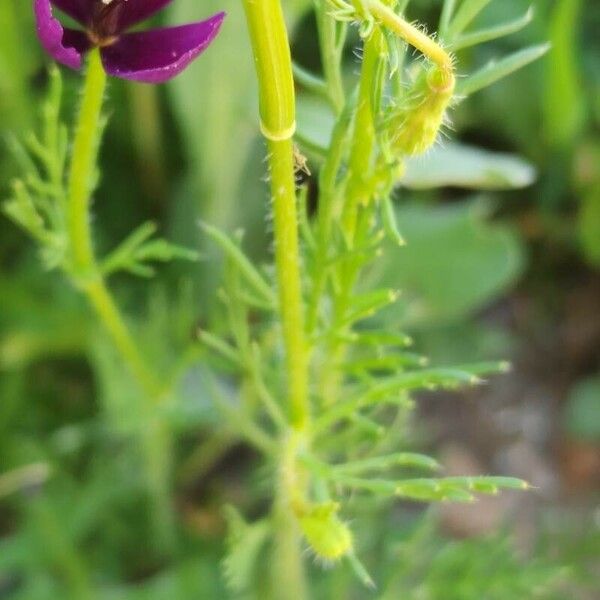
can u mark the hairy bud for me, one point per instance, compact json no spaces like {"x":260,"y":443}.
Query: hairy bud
{"x":413,"y":127}
{"x":329,"y":537}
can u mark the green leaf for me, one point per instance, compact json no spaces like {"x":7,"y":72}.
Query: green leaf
{"x":457,"y":165}
{"x":383,"y":463}
{"x":469,"y":9}
{"x":491,"y":33}
{"x":244,"y":543}
{"x":454,"y":263}
{"x":241,"y":261}
{"x":496,"y":70}
{"x":138,"y":249}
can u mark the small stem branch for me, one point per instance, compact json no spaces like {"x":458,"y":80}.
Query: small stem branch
{"x":331,"y":53}
{"x":112,"y":320}
{"x":363,"y":141}
{"x":411,"y":34}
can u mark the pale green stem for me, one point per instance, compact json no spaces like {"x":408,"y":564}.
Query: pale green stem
{"x":87,"y":277}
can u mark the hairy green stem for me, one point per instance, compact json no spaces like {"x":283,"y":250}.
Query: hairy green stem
{"x":277,"y":111}
{"x":270,"y":46}
{"x":287,"y":258}
{"x":410,"y":34}
{"x":86,"y":275}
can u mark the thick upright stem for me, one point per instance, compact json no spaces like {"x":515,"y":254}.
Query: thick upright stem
{"x":287,"y":259}
{"x":277,"y":113}
{"x":271,"y":50}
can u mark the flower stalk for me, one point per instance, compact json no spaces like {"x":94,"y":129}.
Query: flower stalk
{"x":87,"y":277}
{"x":84,"y":270}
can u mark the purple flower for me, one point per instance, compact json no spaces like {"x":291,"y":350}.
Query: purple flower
{"x":149,"y":56}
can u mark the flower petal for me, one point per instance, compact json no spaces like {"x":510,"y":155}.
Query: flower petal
{"x":80,"y":10}
{"x":158,"y":55}
{"x":64,"y":45}
{"x":134,"y":11}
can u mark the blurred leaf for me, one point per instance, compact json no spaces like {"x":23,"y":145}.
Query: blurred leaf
{"x":244,"y":542}
{"x":496,"y":70}
{"x":491,"y":33}
{"x":469,"y":9}
{"x":455,"y":165}
{"x":314,"y":120}
{"x":454,"y":262}
{"x":589,"y":225}
{"x":563,"y":97}
{"x":140,"y":248}
{"x":214,"y":103}
{"x":582,"y":414}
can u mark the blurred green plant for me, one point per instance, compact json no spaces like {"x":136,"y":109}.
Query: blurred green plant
{"x":241,"y":396}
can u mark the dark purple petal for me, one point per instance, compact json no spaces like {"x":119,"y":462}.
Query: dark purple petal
{"x":135,"y":11}
{"x":73,"y":38}
{"x":158,"y":55}
{"x":80,"y":10}
{"x":63,"y":45}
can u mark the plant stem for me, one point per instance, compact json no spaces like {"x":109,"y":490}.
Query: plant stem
{"x":411,"y":34}
{"x":331,"y":53}
{"x":288,"y":571}
{"x":357,"y":193}
{"x":83,"y":164}
{"x":84,"y":268}
{"x":287,"y":259}
{"x":277,"y":111}
{"x":86,"y":276}
{"x":271,"y":50}
{"x":360,"y":161}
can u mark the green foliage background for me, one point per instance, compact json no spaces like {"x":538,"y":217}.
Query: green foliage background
{"x":523,"y":216}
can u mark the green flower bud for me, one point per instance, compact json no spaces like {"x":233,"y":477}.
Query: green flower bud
{"x":329,"y":537}
{"x":413,"y":127}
